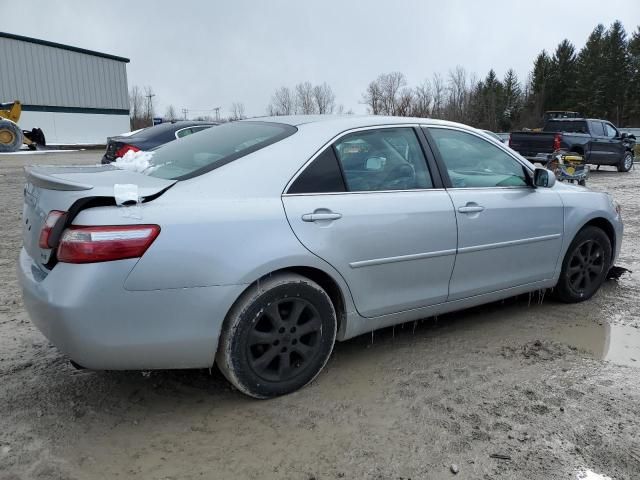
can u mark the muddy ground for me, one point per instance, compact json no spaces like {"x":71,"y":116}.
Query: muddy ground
{"x":550,"y":390}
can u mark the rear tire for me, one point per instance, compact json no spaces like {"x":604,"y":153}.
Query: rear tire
{"x":585,"y":266}
{"x":278,"y":336}
{"x":626,"y":163}
{"x":11,"y":136}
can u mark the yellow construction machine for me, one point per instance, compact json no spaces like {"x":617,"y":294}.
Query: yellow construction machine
{"x":11,"y":137}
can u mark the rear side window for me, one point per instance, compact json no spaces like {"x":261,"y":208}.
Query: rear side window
{"x":384,"y":159}
{"x":183,"y":132}
{"x":323,"y":175}
{"x":195,"y":155}
{"x":596,"y":129}
{"x":569,"y":126}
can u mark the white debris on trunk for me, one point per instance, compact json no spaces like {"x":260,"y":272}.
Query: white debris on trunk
{"x":134,"y":161}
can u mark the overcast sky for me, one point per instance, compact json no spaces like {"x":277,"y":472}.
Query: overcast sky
{"x":205,"y":54}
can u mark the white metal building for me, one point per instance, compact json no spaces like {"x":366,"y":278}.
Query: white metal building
{"x":75,"y":96}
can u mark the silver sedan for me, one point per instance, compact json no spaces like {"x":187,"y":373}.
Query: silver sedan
{"x":257,"y":244}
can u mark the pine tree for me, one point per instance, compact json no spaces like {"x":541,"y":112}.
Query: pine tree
{"x":512,"y":101}
{"x":538,"y":87}
{"x":591,"y":75}
{"x":617,"y":67}
{"x":633,"y":95}
{"x":562,"y":78}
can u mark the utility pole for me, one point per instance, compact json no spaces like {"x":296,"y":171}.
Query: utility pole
{"x":217,"y":110}
{"x":150,"y":105}
{"x":184,"y":113}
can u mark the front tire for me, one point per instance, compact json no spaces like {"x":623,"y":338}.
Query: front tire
{"x":11,"y":137}
{"x":626,"y":163}
{"x":585,"y":266}
{"x":278,"y":336}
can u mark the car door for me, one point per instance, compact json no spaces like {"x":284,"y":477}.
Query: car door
{"x":369,"y":205}
{"x":509,"y":233}
{"x":599,"y":143}
{"x":614,"y":147}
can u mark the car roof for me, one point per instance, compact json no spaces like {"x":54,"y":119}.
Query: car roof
{"x":580,"y":119}
{"x":351,"y":121}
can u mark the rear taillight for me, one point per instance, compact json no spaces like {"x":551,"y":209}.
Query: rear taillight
{"x":124,"y":149}
{"x":105,"y":243}
{"x":47,"y":228}
{"x":556,"y":141}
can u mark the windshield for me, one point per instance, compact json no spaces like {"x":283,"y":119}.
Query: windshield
{"x":194,"y":155}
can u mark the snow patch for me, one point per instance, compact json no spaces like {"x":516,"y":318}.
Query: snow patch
{"x":134,"y":161}
{"x":589,"y":475}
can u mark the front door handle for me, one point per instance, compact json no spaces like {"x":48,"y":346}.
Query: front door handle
{"x":318,"y":217}
{"x":471,"y":208}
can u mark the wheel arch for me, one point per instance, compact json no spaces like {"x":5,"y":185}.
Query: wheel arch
{"x":606,"y":226}
{"x":327,"y":281}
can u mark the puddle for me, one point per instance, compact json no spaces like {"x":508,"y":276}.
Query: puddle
{"x":589,"y":475}
{"x":615,"y":343}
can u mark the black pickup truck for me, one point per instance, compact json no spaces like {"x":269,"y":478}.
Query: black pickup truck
{"x":597,"y":140}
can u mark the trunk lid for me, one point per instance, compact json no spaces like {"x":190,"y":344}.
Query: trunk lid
{"x":59,"y":188}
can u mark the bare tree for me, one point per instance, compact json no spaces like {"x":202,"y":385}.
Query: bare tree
{"x":237,"y":111}
{"x":324,"y":98}
{"x":136,"y":114}
{"x":305,"y":102}
{"x":205,"y":118}
{"x":372,"y":97}
{"x":148,"y":105}
{"x":422,"y":98}
{"x":282,"y":102}
{"x":438,"y":96}
{"x":383,"y":95}
{"x":341,"y":111}
{"x":171,"y":114}
{"x":405,"y":102}
{"x":458,"y":94}
{"x":391,"y":84}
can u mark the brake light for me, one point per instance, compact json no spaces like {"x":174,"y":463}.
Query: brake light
{"x":124,"y":149}
{"x":47,"y":228}
{"x":105,"y":243}
{"x":556,"y":141}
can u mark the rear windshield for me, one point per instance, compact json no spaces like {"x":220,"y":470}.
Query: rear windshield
{"x":570,"y":126}
{"x":194,"y":155}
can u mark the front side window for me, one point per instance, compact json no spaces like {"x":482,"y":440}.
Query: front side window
{"x":195,"y":155}
{"x":383,"y":159}
{"x":610,"y":131}
{"x":596,"y":129}
{"x":473,"y":162}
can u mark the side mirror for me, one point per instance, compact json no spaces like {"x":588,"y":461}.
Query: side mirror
{"x":543,"y":178}
{"x":624,"y":135}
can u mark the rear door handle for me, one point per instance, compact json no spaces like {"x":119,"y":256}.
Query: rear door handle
{"x":317,"y":217}
{"x":471,"y":208}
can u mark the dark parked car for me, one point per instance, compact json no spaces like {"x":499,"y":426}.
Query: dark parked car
{"x":151,"y":137}
{"x":597,"y":140}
